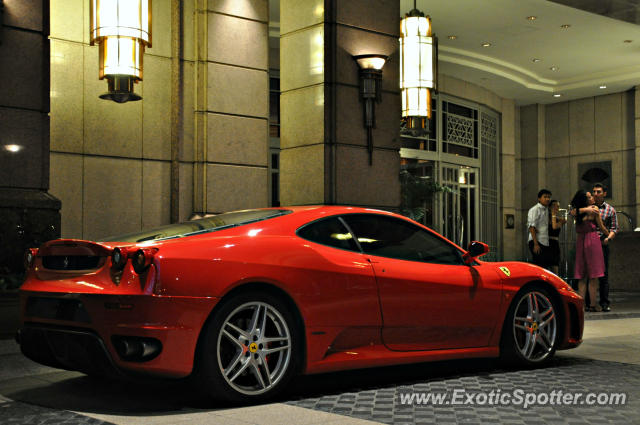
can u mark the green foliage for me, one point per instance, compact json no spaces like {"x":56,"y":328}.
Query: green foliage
{"x":417,"y":191}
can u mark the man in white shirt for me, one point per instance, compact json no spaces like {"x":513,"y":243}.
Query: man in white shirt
{"x":538,"y":225}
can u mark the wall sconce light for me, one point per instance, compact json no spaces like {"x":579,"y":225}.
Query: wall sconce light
{"x":418,"y":70}
{"x":370,"y":92}
{"x":122,"y":28}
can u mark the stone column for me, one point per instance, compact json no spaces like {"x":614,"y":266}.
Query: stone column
{"x":324,"y":157}
{"x":28,"y":214}
{"x":512,"y":244}
{"x":232,"y":98}
{"x":532,"y":148}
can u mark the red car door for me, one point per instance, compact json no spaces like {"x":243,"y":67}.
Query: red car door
{"x":429,"y":298}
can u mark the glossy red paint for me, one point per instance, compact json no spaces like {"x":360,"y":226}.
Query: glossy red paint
{"x":357,"y":310}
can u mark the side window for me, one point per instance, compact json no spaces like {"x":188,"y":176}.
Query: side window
{"x":330,"y":232}
{"x":394,"y":238}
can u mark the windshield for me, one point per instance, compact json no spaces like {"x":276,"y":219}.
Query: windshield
{"x":196,"y":227}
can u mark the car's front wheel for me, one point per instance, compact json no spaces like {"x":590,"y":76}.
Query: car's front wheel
{"x":249,"y":349}
{"x":531,"y":329}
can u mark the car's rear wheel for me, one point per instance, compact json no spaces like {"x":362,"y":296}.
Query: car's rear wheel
{"x":531,"y":329}
{"x":249,"y":349}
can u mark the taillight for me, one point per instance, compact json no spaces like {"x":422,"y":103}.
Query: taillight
{"x":118,"y":258}
{"x":29,"y":257}
{"x":142,"y":259}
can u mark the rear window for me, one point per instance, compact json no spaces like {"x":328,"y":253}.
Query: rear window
{"x":203,"y":225}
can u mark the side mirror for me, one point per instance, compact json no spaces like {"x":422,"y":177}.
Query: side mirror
{"x":474,"y":250}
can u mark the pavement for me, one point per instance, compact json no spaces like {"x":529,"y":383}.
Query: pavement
{"x":606,"y":362}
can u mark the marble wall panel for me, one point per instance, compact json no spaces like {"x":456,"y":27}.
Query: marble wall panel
{"x":383,"y":20}
{"x":66,"y":180}
{"x":160,"y":29}
{"x":24,"y":70}
{"x":359,"y":183}
{"x":67,"y":96}
{"x":529,"y":131}
{"x":67,"y":19}
{"x":156,"y":193}
{"x":581,"y":126}
{"x":302,"y":117}
{"x":559,"y":181}
{"x":29,"y":132}
{"x":238,"y":41}
{"x":302,"y":58}
{"x":303,"y":181}
{"x":239,"y":140}
{"x":238,"y":91}
{"x":608,"y":122}
{"x":156,"y":108}
{"x":557,"y":129}
{"x":112,"y":197}
{"x":231,"y":187}
{"x":251,"y":9}
{"x":298,"y":14}
{"x":27,"y":14}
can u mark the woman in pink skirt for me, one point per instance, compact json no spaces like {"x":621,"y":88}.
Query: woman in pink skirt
{"x":589,"y":264}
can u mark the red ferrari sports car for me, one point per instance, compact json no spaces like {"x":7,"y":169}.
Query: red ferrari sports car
{"x":244,"y":301}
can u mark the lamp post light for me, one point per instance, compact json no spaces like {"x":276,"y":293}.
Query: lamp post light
{"x":418,"y":70}
{"x":370,"y":92}
{"x":122,"y":28}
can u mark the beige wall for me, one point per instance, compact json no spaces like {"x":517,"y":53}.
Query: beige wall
{"x":556,"y":138}
{"x":111,"y":163}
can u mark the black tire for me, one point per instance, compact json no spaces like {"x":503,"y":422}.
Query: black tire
{"x":531,"y":329}
{"x":250,"y":349}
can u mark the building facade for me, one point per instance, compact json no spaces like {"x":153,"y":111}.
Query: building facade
{"x":248,"y":103}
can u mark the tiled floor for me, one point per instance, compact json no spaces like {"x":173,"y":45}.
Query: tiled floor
{"x":608,"y":358}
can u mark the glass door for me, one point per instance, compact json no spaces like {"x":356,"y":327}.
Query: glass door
{"x":459,"y":203}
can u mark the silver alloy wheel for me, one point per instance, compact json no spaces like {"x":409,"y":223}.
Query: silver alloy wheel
{"x":534,"y":326}
{"x":254,"y":348}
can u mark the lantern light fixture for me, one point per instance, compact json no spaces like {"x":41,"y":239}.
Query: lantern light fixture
{"x":418,"y":70}
{"x":122,"y":29}
{"x":370,"y":91}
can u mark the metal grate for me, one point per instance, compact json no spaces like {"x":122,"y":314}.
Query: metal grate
{"x":459,"y":130}
{"x":490,"y":225}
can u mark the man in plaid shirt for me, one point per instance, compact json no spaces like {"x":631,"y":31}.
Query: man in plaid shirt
{"x":608,"y":215}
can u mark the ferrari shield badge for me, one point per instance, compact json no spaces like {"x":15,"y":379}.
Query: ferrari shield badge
{"x":506,"y":271}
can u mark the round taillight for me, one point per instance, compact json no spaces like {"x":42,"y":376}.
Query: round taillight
{"x":118,"y":258}
{"x":142,"y":259}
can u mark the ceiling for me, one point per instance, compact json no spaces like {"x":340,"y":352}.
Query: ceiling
{"x":573,"y":62}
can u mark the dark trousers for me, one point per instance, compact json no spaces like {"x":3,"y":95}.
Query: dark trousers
{"x":604,"y":280}
{"x":541,"y":259}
